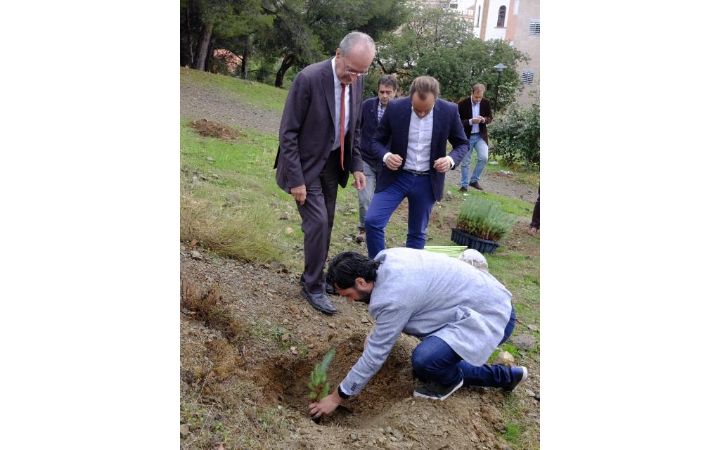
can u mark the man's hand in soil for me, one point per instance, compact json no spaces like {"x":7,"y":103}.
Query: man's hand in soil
{"x":325,"y":406}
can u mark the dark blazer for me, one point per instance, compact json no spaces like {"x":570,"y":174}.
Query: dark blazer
{"x":392,"y":136}
{"x":369,"y":124}
{"x":465,"y":110}
{"x":307,"y":128}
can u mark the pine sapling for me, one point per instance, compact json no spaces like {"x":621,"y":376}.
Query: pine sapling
{"x":318,"y":384}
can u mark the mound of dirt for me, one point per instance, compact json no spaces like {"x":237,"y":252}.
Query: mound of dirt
{"x":208,"y":128}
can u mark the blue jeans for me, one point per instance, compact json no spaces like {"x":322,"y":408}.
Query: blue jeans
{"x":418,"y":190}
{"x":434,"y":360}
{"x":476,"y":143}
{"x":366,"y":195}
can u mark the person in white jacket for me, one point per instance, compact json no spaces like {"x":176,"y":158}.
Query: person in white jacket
{"x":460,"y":313}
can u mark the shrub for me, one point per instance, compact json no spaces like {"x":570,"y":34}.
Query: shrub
{"x":484,"y":219}
{"x":516,"y":135}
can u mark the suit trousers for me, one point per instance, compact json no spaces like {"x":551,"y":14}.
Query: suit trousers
{"x":418,"y":190}
{"x":318,"y":215}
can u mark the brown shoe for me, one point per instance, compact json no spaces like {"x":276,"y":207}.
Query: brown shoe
{"x":360,"y":238}
{"x":476,"y":185}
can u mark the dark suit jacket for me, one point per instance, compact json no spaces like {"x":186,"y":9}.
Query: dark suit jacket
{"x":307,"y":128}
{"x":465,"y":110}
{"x":369,"y":124}
{"x":392,"y":136}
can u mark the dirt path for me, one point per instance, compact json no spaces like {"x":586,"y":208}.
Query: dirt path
{"x":206,"y":102}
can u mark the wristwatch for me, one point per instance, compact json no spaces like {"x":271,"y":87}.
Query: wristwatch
{"x":342,"y":395}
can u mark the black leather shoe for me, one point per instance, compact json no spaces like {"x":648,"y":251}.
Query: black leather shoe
{"x":476,"y":185}
{"x":330,"y":289}
{"x":319,"y":301}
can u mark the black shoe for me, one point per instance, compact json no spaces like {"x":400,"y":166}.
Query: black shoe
{"x":434,"y":391}
{"x":519,"y":374}
{"x":463,"y":189}
{"x":319,"y":301}
{"x":329,"y":288}
{"x":476,"y":185}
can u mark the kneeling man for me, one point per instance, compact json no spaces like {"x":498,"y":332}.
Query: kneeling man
{"x":460,"y":313}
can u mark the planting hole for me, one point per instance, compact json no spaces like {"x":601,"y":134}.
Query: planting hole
{"x":287,"y":381}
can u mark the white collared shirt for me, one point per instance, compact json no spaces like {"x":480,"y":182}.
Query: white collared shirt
{"x":338,"y":91}
{"x":475,"y":113}
{"x":419,"y":140}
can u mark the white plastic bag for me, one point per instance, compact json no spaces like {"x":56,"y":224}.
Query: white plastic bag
{"x":475,"y":259}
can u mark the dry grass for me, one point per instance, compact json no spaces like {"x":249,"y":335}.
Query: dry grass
{"x":236,"y":234}
{"x":208,"y":308}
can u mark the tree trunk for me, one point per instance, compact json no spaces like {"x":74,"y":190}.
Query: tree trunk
{"x":204,"y":44}
{"x":243,"y":63}
{"x":287,"y":63}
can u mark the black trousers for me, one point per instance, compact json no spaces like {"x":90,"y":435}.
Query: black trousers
{"x":535,"y":222}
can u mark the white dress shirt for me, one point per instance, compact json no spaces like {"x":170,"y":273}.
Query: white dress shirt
{"x":475,"y":112}
{"x":338,"y":91}
{"x":419,"y":139}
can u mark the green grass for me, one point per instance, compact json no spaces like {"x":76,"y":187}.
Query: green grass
{"x":509,"y":205}
{"x":257,"y":94}
{"x":512,"y":434}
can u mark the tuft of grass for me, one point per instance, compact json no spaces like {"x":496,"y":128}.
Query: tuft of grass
{"x":513,"y":432}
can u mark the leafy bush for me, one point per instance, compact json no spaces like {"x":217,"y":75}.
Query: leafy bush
{"x":484,"y":219}
{"x":516,"y":135}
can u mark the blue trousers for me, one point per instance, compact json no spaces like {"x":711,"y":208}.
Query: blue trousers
{"x":434,"y":360}
{"x":477,"y":144}
{"x":366,"y":195}
{"x":418,"y":190}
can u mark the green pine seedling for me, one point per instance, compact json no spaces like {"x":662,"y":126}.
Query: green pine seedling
{"x":318,"y":384}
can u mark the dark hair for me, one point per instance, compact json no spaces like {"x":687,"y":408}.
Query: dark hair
{"x":388,"y":80}
{"x":347,"y":266}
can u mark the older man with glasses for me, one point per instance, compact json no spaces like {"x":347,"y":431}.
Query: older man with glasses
{"x":411,"y":141}
{"x":319,"y":148}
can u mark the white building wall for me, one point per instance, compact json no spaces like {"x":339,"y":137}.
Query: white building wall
{"x":492,"y":31}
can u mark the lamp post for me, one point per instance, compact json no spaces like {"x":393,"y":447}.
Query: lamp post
{"x":499,"y":69}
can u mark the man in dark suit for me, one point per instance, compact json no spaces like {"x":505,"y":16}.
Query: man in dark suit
{"x":319,"y":148}
{"x":372,"y":111}
{"x":475,"y":114}
{"x":411,"y":141}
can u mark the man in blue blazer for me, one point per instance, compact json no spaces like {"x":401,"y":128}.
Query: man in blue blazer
{"x":411,"y":141}
{"x":372,"y":111}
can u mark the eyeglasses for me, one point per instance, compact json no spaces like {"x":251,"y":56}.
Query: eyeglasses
{"x":355,"y":73}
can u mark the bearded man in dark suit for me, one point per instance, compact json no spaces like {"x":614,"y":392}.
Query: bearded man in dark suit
{"x":319,"y":147}
{"x":411,"y":141}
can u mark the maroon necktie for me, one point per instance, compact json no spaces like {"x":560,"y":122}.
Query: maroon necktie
{"x":342,"y":127}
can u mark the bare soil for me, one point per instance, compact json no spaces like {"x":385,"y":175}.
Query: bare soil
{"x":255,"y":386}
{"x":249,"y":341}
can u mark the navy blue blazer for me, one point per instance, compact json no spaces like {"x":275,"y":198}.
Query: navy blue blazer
{"x":369,"y":124}
{"x":392,"y":136}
